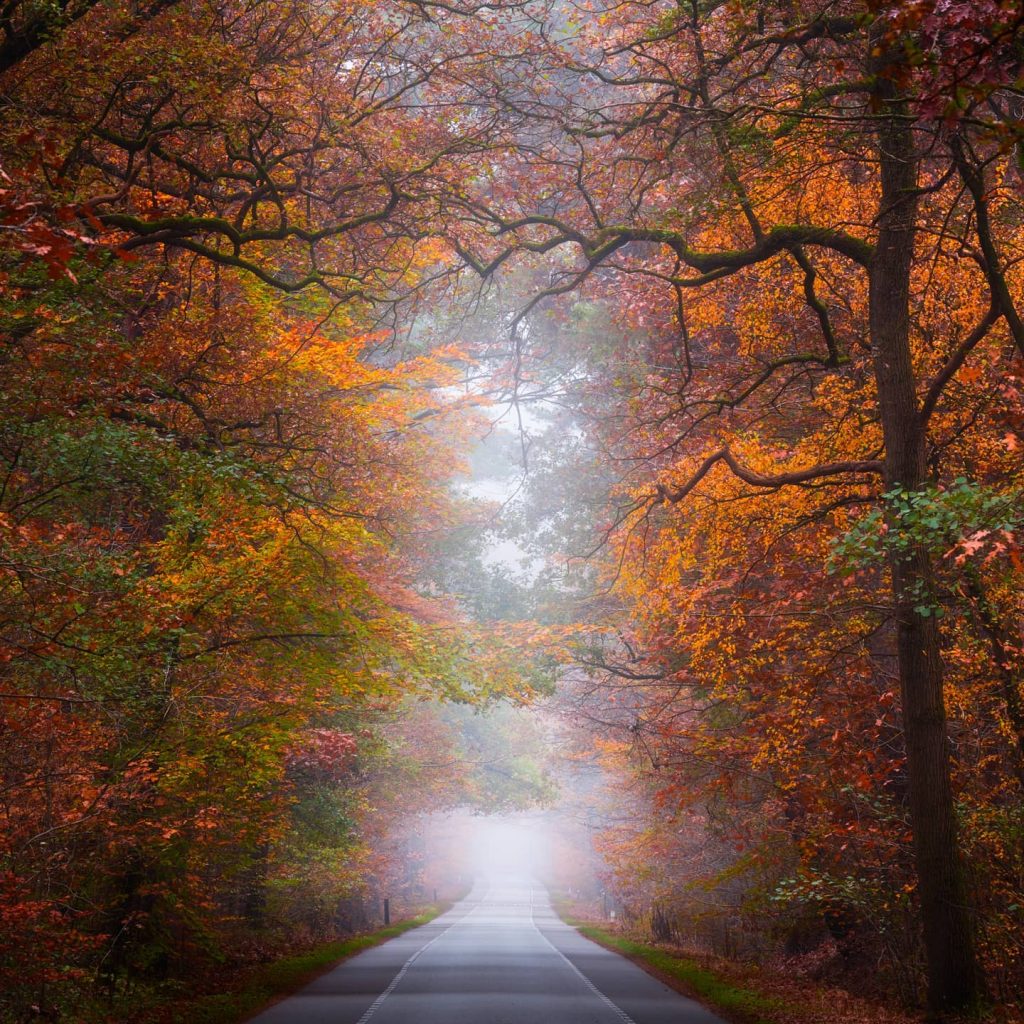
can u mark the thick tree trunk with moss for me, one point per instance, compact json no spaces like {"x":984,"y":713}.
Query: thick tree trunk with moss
{"x":946,"y":917}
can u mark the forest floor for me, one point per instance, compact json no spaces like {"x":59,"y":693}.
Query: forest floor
{"x":744,"y":993}
{"x":231,"y":996}
{"x":264,"y":984}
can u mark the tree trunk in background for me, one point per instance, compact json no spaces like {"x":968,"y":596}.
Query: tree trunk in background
{"x":948,"y":935}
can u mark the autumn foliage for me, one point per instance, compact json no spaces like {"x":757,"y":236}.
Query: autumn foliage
{"x":220,"y":661}
{"x":805,"y":220}
{"x":767,"y":261}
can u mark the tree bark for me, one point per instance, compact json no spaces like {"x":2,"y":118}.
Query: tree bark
{"x":953,"y":980}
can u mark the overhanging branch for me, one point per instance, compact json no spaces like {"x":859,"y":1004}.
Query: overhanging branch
{"x":772,"y":481}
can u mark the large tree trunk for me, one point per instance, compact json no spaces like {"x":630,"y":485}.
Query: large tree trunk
{"x":952,"y":970}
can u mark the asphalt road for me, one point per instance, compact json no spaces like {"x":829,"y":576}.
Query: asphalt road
{"x":501,"y":956}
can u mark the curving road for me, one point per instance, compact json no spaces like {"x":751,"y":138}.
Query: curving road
{"x":501,"y":956}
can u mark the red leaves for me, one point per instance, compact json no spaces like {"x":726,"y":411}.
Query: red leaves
{"x":960,"y":51}
{"x":34,"y":223}
{"x":326,"y":753}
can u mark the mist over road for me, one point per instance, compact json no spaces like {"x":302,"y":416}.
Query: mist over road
{"x":500,"y":956}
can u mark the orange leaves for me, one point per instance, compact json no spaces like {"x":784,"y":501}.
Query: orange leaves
{"x":213,"y":558}
{"x":216,"y":504}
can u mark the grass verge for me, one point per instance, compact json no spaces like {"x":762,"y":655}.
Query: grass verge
{"x":274,"y":981}
{"x":744,"y":1006}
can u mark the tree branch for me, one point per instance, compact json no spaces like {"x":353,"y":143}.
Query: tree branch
{"x":772,"y":482}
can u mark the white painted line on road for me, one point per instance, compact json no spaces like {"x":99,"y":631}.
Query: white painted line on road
{"x":376,"y":1004}
{"x":614,"y":1007}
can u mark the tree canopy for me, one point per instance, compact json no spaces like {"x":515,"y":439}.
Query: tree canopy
{"x":267,"y":269}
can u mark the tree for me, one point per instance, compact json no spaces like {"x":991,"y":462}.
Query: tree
{"x":724,"y":144}
{"x":219,"y":485}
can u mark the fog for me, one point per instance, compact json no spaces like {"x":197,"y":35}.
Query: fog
{"x":516,"y":845}
{"x":503,"y":570}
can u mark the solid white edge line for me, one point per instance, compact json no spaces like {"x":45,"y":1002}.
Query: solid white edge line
{"x":614,"y":1007}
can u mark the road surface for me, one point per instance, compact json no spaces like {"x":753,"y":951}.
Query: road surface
{"x":501,"y":956}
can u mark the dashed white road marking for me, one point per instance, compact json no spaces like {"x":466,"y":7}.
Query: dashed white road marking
{"x":376,"y":1004}
{"x":395,"y":981}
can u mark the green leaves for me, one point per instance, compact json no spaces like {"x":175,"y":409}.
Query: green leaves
{"x":942,"y":520}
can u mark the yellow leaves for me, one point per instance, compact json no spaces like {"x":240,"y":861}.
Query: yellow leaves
{"x":338,"y":360}
{"x":430,"y":252}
